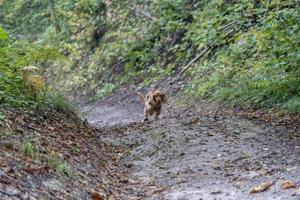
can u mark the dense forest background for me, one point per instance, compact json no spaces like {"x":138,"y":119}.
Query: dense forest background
{"x":239,"y":52}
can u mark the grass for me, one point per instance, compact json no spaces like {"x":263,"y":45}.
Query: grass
{"x":61,"y":104}
{"x":293,"y":105}
{"x":29,"y":150}
{"x":105,"y":90}
{"x":2,"y":116}
{"x":60,"y":166}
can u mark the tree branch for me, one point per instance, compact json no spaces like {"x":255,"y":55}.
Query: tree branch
{"x":144,"y":13}
{"x":194,"y":60}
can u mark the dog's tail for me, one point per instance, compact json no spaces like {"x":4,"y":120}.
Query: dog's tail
{"x":138,"y":94}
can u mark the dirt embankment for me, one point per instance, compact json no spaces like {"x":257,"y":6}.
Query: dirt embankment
{"x":190,"y":153}
{"x":53,"y":156}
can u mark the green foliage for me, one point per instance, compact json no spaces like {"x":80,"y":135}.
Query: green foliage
{"x":62,"y":167}
{"x":59,"y":103}
{"x":107,"y":88}
{"x":14,"y":56}
{"x":3,"y":35}
{"x":259,"y":68}
{"x":26,"y":15}
{"x":29,"y":150}
{"x":59,"y":166}
{"x":254,"y":60}
{"x":2,"y":116}
{"x":293,"y":105}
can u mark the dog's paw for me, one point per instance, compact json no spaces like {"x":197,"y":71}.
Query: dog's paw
{"x":145,"y":119}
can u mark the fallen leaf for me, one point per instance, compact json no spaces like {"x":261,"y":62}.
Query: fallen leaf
{"x":96,"y":196}
{"x":288,"y":184}
{"x":29,"y":169}
{"x":8,"y":146}
{"x":195,"y":121}
{"x":19,"y":119}
{"x":3,"y":163}
{"x":51,"y":128}
{"x":262,"y":187}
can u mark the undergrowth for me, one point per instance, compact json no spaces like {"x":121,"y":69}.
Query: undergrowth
{"x":260,"y":66}
{"x":30,"y":91}
{"x":252,"y":47}
{"x":50,"y":159}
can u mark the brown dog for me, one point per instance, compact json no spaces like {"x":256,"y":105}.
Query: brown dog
{"x":153,"y":103}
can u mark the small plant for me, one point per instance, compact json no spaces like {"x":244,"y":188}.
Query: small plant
{"x":53,"y":161}
{"x":61,"y":104}
{"x":293,"y":105}
{"x":18,"y":84}
{"x":29,"y":150}
{"x":107,"y":88}
{"x":2,"y":116}
{"x":60,"y":166}
{"x":64,"y":168}
{"x":33,"y":80}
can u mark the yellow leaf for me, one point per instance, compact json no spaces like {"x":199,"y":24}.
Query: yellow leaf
{"x":262,"y":187}
{"x":288,"y":184}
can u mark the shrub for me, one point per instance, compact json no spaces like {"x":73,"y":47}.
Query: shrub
{"x":14,"y":56}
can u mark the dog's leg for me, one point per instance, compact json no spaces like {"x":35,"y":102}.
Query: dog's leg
{"x":157,"y":113}
{"x":145,"y":114}
{"x":157,"y":116}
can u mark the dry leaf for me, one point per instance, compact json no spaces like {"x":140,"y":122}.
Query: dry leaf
{"x":195,"y":121}
{"x":262,"y":187}
{"x":96,"y":196}
{"x":51,"y":128}
{"x":3,"y":163}
{"x":19,"y":119}
{"x":288,"y":184}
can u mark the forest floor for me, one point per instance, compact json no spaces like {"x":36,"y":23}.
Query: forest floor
{"x":197,"y":152}
{"x":192,"y":152}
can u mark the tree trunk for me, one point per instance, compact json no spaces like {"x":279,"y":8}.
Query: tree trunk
{"x":1,"y":12}
{"x":53,"y":16}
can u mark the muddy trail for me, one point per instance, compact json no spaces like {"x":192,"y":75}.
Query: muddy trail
{"x":189,"y":154}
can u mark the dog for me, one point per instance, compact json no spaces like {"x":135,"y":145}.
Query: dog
{"x":152,"y":103}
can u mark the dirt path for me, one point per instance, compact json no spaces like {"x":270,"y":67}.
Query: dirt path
{"x":197,"y":156}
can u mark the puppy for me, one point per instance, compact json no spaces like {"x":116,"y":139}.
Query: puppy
{"x":153,"y":103}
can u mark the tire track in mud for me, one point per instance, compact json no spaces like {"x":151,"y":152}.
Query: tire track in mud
{"x":198,"y":157}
